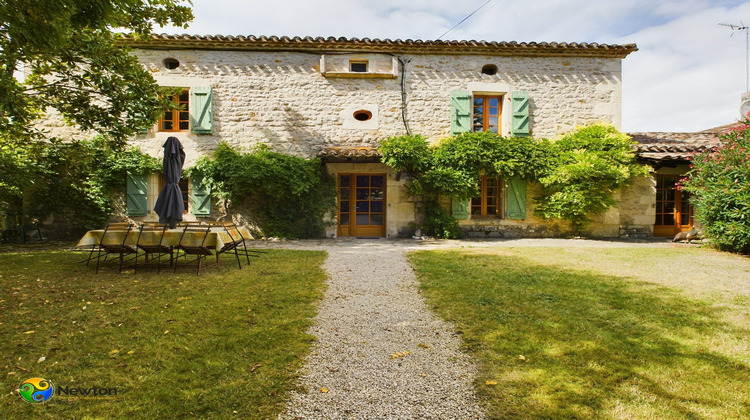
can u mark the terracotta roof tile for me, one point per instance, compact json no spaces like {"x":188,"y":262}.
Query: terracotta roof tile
{"x":349,"y":153}
{"x":674,"y":146}
{"x":318,"y":44}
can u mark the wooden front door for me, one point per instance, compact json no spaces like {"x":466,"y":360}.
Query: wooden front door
{"x":361,"y":205}
{"x":673,"y":210}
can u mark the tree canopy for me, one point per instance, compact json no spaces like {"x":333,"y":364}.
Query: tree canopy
{"x":64,"y":55}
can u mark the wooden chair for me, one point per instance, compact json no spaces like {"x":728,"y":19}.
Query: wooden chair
{"x":200,"y":251}
{"x":119,"y":248}
{"x":236,"y":243}
{"x":151,"y":248}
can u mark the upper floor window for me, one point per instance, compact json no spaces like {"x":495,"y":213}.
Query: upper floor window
{"x":487,"y":112}
{"x":177,"y":119}
{"x":488,"y":202}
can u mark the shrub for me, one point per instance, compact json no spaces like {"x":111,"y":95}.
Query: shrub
{"x":587,"y":167}
{"x":291,"y":196}
{"x":719,"y":184}
{"x":74,"y":181}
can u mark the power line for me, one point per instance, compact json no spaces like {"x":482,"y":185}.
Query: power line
{"x":463,"y":20}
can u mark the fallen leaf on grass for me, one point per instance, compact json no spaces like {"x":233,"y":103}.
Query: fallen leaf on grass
{"x":324,"y":390}
{"x":131,"y":352}
{"x":166,"y":332}
{"x":398,"y":354}
{"x":491,"y":383}
{"x":255,"y":366}
{"x":41,"y":359}
{"x":521,"y":357}
{"x":115,"y":351}
{"x":30,"y":332}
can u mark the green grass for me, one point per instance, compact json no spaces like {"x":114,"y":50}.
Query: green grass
{"x":598,"y":333}
{"x":227,"y":342}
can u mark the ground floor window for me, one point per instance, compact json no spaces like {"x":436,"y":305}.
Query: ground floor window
{"x":489,"y":202}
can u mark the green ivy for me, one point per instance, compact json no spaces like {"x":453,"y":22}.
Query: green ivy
{"x":586,"y":168}
{"x":74,"y":181}
{"x":290,"y":196}
{"x":579,"y":173}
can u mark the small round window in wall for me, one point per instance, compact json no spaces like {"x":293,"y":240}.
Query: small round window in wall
{"x":171,"y":63}
{"x":489,"y":69}
{"x":362,"y":115}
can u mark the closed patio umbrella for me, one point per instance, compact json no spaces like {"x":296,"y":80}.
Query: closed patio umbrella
{"x":169,"y":205}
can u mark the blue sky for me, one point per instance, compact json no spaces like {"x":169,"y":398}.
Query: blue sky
{"x":689,"y":74}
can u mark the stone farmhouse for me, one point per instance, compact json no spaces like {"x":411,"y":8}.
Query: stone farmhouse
{"x":337,"y":98}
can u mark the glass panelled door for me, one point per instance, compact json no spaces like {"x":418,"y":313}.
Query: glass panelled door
{"x":361,"y":205}
{"x":673,"y":210}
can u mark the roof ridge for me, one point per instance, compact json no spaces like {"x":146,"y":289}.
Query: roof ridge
{"x":249,"y":42}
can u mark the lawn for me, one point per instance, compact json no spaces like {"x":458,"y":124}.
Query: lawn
{"x":226,"y":343}
{"x":599,"y":333}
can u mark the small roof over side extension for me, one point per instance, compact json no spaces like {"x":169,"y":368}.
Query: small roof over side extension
{"x":660,"y":147}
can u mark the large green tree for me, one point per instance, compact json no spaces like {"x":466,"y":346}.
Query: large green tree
{"x":64,"y":55}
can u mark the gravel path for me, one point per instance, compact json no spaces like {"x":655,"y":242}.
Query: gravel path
{"x":380,"y":352}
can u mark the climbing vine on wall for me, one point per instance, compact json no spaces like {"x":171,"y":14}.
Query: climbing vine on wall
{"x":74,"y":181}
{"x":289,"y":196}
{"x":579,"y":173}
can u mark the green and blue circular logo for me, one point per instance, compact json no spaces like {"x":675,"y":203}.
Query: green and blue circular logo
{"x":36,"y":390}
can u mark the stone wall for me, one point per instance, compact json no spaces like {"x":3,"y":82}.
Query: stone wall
{"x":283,"y":100}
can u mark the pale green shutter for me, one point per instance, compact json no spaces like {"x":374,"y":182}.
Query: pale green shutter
{"x":520,"y":121}
{"x":200,"y":198}
{"x":136,"y":196}
{"x":460,"y":112}
{"x":516,"y":198}
{"x":460,"y":208}
{"x":201,"y":110}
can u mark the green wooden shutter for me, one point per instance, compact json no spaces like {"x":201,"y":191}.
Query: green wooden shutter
{"x":516,"y":198}
{"x":201,"y":110}
{"x":460,"y":112}
{"x":136,"y":197}
{"x":200,"y":198}
{"x":460,"y":208}
{"x":521,"y":123}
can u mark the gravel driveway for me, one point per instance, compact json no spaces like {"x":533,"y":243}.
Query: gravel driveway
{"x":381,"y":353}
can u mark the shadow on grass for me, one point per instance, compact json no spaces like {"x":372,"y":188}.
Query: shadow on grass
{"x":223,"y":344}
{"x":570,"y":344}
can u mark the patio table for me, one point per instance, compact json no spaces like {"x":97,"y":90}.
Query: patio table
{"x":216,"y":238}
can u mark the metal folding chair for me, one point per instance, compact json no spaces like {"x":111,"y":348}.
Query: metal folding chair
{"x":151,"y":248}
{"x":236,"y":243}
{"x":190,"y":245}
{"x":118,"y":248}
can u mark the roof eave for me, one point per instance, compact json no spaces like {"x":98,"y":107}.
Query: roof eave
{"x":354,"y":45}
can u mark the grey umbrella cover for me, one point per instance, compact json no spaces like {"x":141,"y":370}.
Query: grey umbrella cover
{"x":169,"y":205}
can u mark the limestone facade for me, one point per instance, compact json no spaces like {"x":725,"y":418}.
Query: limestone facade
{"x":302,"y":97}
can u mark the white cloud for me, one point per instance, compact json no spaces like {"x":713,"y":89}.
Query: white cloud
{"x":687,"y":76}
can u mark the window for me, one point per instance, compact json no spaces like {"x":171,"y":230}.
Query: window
{"x":487,"y":112}
{"x":488,"y":202}
{"x":177,"y":119}
{"x":489,"y":69}
{"x":358,"y":66}
{"x":171,"y":63}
